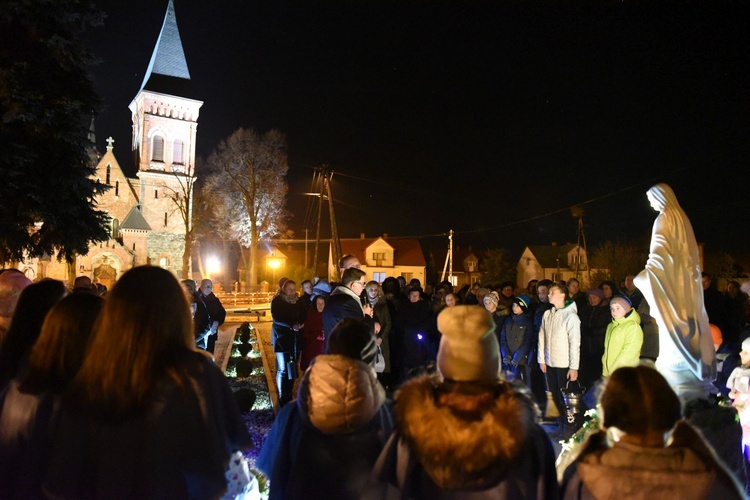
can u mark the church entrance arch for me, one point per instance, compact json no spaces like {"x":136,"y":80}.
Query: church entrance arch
{"x":106,"y":269}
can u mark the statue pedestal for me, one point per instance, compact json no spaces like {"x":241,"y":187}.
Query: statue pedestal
{"x":682,"y":379}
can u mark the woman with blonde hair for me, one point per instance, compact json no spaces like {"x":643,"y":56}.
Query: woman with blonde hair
{"x":147,"y":416}
{"x":382,"y":316}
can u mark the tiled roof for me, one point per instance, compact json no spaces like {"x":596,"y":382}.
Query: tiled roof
{"x":548,"y":255}
{"x":135,"y":220}
{"x":406,"y":252}
{"x":168,"y":68}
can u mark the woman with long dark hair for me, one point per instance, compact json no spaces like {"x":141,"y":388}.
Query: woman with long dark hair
{"x":28,"y":408}
{"x":33,"y":305}
{"x":147,"y":415}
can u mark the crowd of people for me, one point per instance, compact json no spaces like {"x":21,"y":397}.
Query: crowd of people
{"x":386,"y":390}
{"x":457,"y":411}
{"x":107,"y":395}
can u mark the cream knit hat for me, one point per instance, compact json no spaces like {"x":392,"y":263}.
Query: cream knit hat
{"x":468,"y":348}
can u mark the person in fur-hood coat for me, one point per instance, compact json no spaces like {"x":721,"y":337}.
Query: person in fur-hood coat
{"x":465,"y":431}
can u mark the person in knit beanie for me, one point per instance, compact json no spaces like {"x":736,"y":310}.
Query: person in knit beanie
{"x":624,"y":336}
{"x":489,"y":440}
{"x":516,"y":339}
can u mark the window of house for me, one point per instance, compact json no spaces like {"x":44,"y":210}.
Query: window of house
{"x":378,"y":256}
{"x":555,"y":277}
{"x":472,"y":265}
{"x":178,"y":148}
{"x":157,"y":148}
{"x":407,"y":276}
{"x":379,"y":277}
{"x":163,"y":262}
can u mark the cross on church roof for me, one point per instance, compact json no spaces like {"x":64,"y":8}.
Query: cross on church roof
{"x":110,"y":141}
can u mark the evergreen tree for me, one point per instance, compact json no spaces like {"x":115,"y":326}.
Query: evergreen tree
{"x":47,"y":100}
{"x":497,"y":268}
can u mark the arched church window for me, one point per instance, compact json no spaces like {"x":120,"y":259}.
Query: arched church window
{"x":115,"y":228}
{"x":109,"y":170}
{"x":177,"y":153}
{"x":165,"y":218}
{"x":117,"y":188}
{"x":157,"y":148}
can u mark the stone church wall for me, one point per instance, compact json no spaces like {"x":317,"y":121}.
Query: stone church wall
{"x":166,"y":246}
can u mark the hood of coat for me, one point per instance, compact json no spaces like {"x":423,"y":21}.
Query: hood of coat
{"x":570,"y":307}
{"x":339,"y":395}
{"x":632,"y":317}
{"x":630,"y":471}
{"x":462,"y":449}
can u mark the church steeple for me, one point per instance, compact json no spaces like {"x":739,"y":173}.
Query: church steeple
{"x":168,"y":59}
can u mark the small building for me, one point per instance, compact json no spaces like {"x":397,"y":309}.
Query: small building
{"x":382,"y":257}
{"x":465,"y":266}
{"x":554,"y":263}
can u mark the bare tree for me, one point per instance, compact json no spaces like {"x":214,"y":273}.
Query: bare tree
{"x":181,"y":194}
{"x":248,"y":186}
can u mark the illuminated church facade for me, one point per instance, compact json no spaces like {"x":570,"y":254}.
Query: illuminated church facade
{"x":147,"y":213}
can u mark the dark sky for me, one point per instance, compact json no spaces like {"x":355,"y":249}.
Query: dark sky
{"x":488,"y":118}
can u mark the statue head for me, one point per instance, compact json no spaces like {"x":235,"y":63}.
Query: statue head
{"x":661,"y":196}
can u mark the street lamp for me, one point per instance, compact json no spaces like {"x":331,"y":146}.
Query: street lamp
{"x":274,"y":264}
{"x":213,"y":266}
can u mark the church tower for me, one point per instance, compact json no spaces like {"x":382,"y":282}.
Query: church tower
{"x":165,"y":121}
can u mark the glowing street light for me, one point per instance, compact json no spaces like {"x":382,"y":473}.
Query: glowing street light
{"x":213,"y":265}
{"x":274,"y":264}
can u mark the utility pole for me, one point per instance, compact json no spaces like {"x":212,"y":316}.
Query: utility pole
{"x":334,"y":229}
{"x":449,"y":259}
{"x":306,"y":261}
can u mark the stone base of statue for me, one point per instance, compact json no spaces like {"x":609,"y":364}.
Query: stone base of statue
{"x":683,"y":381}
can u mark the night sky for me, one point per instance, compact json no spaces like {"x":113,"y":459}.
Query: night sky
{"x":488,"y":118}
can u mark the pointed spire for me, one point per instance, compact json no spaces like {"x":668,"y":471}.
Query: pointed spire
{"x":168,"y":58}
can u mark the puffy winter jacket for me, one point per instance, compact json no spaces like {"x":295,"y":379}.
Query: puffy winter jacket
{"x":622,"y":344}
{"x":560,"y":337}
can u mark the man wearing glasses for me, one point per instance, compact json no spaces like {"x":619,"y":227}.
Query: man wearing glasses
{"x":345,"y":302}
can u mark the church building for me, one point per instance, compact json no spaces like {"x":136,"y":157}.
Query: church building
{"x":148,"y":213}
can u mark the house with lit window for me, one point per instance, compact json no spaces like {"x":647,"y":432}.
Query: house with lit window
{"x":382,"y":257}
{"x":147,"y":226}
{"x":553,"y":262}
{"x":465,"y":266}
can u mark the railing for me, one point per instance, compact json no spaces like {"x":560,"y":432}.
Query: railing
{"x":251,"y":298}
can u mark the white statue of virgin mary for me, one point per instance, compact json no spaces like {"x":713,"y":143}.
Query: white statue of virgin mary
{"x":671,"y":283}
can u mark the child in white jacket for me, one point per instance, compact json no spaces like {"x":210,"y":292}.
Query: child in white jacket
{"x":560,"y":349}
